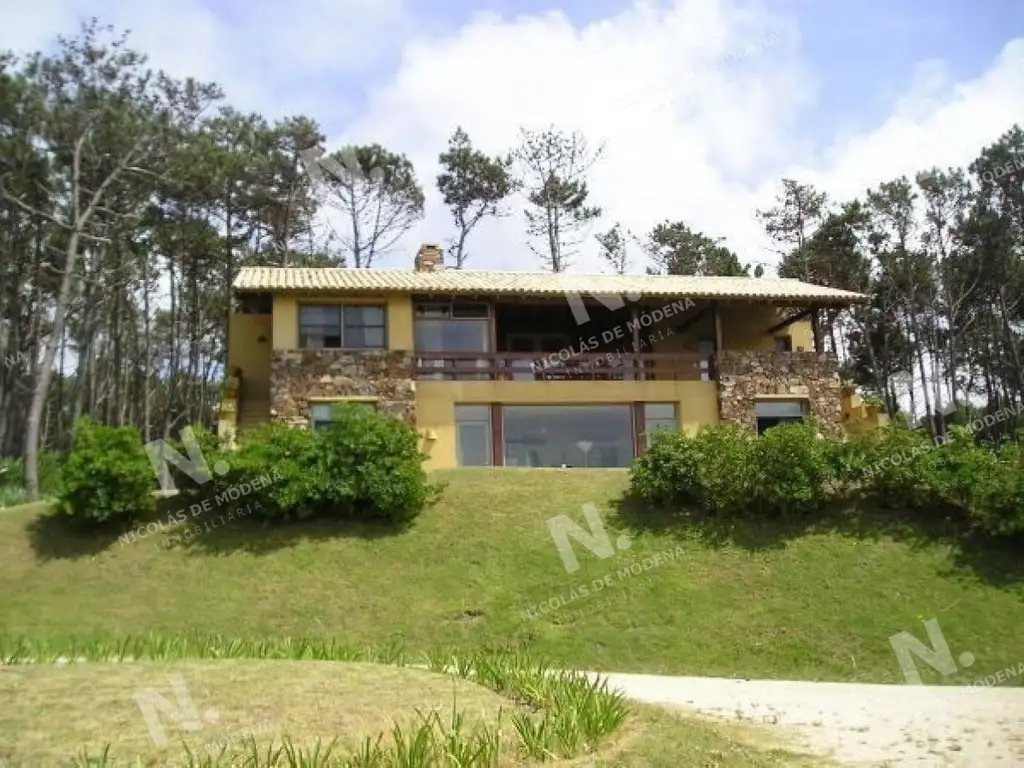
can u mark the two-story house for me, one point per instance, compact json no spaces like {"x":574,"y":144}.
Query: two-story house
{"x":529,"y":368}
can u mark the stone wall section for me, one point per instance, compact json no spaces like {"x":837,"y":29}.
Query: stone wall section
{"x":300,"y":374}
{"x":744,"y":376}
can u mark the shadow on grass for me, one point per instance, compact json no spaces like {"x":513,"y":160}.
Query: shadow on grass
{"x":215,"y":534}
{"x":58,"y":537}
{"x":996,"y":562}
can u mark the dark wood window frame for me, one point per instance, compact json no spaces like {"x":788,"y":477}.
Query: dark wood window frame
{"x":342,"y":325}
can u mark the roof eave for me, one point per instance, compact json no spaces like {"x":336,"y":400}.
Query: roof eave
{"x":821,"y":300}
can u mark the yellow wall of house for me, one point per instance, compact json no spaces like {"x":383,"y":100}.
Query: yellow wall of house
{"x":744,"y":327}
{"x":248,"y":352}
{"x":696,"y":403}
{"x":399,"y":317}
{"x":800,"y":331}
{"x":743,"y":324}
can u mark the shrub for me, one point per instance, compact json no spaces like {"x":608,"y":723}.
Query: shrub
{"x":213,"y":451}
{"x":376,"y":465}
{"x":791,"y":469}
{"x":365,"y":465}
{"x":286,"y":463}
{"x":892,"y":468}
{"x":669,"y":472}
{"x":725,"y":452}
{"x":107,"y":478}
{"x":1000,"y":501}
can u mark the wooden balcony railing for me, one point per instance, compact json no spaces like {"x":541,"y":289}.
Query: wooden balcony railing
{"x":592,"y":366}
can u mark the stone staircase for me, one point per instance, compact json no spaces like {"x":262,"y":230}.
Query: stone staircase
{"x":242,"y":406}
{"x":858,"y":416}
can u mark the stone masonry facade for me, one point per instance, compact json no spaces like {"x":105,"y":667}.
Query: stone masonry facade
{"x":743,"y":377}
{"x":298,"y":375}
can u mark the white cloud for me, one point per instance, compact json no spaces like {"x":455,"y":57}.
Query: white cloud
{"x":703,"y":106}
{"x":277,"y":58}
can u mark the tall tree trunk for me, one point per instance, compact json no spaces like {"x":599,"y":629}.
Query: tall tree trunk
{"x":35,"y":411}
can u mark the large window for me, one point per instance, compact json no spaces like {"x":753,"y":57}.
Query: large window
{"x":659,"y":417}
{"x":572,"y":436}
{"x":333,"y":326}
{"x":453,"y":327}
{"x":771,"y":413}
{"x":473,"y":435}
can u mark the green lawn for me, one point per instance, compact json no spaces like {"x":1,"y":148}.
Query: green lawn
{"x":48,"y":719}
{"x":753,"y":600}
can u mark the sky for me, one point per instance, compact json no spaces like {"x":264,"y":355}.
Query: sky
{"x":702,"y":106}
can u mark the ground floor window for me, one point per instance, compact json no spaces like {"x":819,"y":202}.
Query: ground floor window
{"x":568,"y":435}
{"x":322,"y":414}
{"x":659,"y":417}
{"x":473,"y":435}
{"x":771,"y":413}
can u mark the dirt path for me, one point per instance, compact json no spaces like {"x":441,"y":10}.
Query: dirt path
{"x":854,"y":723}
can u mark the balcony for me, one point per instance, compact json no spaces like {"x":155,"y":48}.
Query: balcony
{"x":519,"y":366}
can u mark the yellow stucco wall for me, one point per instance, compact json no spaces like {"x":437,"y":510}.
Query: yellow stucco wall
{"x":744,"y":326}
{"x":399,"y":317}
{"x":696,"y":403}
{"x":246,"y":351}
{"x":802,"y":336}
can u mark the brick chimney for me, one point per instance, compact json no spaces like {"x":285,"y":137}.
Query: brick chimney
{"x":429,"y":257}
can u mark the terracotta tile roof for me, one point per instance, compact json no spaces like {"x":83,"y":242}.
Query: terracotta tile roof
{"x":453,"y":281}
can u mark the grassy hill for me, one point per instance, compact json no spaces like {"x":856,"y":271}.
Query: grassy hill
{"x":481,"y":570}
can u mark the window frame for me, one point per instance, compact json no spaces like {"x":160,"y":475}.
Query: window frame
{"x":487,"y":421}
{"x":803,"y":403}
{"x":507,"y":409}
{"x":646,"y":420}
{"x":340,"y":308}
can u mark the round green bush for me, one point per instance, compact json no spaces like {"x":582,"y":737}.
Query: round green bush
{"x":792,"y":469}
{"x":725,"y":453}
{"x":107,"y":478}
{"x":669,"y":472}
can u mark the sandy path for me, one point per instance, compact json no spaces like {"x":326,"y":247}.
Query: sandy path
{"x":854,"y":723}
